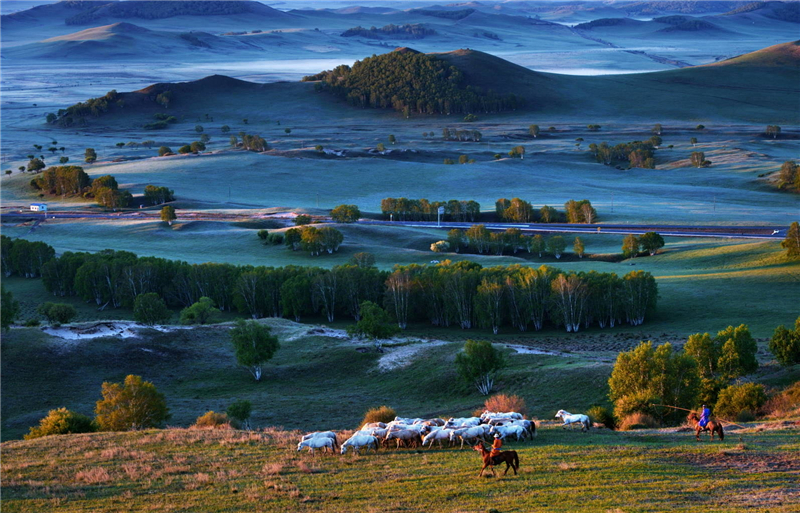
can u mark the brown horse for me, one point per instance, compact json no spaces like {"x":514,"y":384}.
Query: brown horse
{"x":510,"y":458}
{"x":712,"y":427}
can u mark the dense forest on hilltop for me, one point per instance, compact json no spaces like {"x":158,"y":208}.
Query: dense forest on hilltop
{"x":407,"y":31}
{"x":410,"y":82}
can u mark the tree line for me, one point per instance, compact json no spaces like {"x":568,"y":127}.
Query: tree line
{"x":407,"y":31}
{"x":460,"y":294}
{"x":410,"y":82}
{"x":517,"y":210}
{"x":73,"y":181}
{"x":404,"y":209}
{"x":635,"y":154}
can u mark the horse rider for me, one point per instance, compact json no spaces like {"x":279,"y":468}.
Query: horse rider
{"x":705,"y":416}
{"x":496,"y":445}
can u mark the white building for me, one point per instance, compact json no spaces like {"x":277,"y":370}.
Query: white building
{"x":38,"y":207}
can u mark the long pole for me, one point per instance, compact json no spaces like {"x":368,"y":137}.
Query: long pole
{"x":684,"y":409}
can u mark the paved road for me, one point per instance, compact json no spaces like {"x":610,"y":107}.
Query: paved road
{"x":730,"y":232}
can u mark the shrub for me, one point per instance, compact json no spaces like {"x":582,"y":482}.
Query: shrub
{"x":212,"y":420}
{"x":31,"y":323}
{"x":240,"y":412}
{"x":505,"y":403}
{"x":602,"y":415}
{"x":201,"y":312}
{"x":634,"y":403}
{"x":785,"y":403}
{"x":380,"y":414}
{"x":62,"y":422}
{"x":134,"y":404}
{"x":735,"y":400}
{"x":638,"y":421}
{"x":302,"y":219}
{"x":785,"y":344}
{"x":149,"y":309}
{"x":275,"y":239}
{"x":57,"y":313}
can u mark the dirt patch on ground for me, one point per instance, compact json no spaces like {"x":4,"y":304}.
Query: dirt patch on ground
{"x":751,"y":462}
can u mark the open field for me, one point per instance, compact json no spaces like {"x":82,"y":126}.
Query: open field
{"x":221,"y":470}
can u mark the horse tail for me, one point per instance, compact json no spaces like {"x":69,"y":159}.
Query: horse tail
{"x":516,"y":459}
{"x":534,"y":433}
{"x":721,"y":433}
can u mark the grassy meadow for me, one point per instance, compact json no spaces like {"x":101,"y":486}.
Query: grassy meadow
{"x":223,"y":470}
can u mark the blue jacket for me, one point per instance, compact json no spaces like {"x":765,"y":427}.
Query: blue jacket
{"x":704,"y":417}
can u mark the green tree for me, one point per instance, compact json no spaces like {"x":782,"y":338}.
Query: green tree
{"x":197,"y":147}
{"x":657,"y":129}
{"x":240,"y":411}
{"x":788,"y":174}
{"x":287,"y":131}
{"x":479,"y":364}
{"x":225,"y":129}
{"x":149,"y":309}
{"x":198,"y":129}
{"x":168,"y":214}
{"x":693,"y":141}
{"x":738,"y":352}
{"x":651,"y":242}
{"x":517,"y":151}
{"x":185,"y":149}
{"x":9,"y":307}
{"x":536,"y":244}
{"x":35,"y":164}
{"x":363,"y":260}
{"x":374,"y":324}
{"x":62,"y":422}
{"x":630,"y":246}
{"x":254,"y":345}
{"x":698,"y":159}
{"x":57,"y":313}
{"x":346,"y":214}
{"x":392,"y":138}
{"x":380,"y":147}
{"x":741,"y":401}
{"x":792,"y":241}
{"x":578,"y":247}
{"x":63,"y":160}
{"x":785,"y":344}
{"x":302,"y":219}
{"x":556,"y":245}
{"x":164,"y":150}
{"x":90,"y":155}
{"x":201,"y":312}
{"x":164,"y":99}
{"x":534,"y":130}
{"x":134,"y":404}
{"x":773,"y":131}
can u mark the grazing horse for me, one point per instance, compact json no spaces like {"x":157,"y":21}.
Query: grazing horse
{"x":510,"y":458}
{"x":712,"y":427}
{"x":570,"y":419}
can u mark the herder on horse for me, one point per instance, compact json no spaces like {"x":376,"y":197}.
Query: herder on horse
{"x":496,"y":445}
{"x":704,"y":416}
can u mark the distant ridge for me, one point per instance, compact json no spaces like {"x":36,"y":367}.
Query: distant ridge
{"x":785,"y":55}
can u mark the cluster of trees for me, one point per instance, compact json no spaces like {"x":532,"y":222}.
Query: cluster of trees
{"x":449,"y":134}
{"x":157,"y":195}
{"x":407,"y":31}
{"x":462,"y":293}
{"x":94,"y":107}
{"x":346,"y":214}
{"x":314,"y":240}
{"x":251,"y":142}
{"x":792,"y":240}
{"x":478,"y":239}
{"x":789,"y":176}
{"x":410,"y":82}
{"x":698,"y":159}
{"x":23,"y":258}
{"x":404,"y":209}
{"x":785,"y":344}
{"x":73,"y":180}
{"x":467,"y":295}
{"x":648,"y":377}
{"x":520,"y":211}
{"x":636,"y":153}
{"x":773,"y":131}
{"x":161,"y":121}
{"x":650,"y":242}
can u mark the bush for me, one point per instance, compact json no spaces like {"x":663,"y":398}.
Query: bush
{"x":381,"y":414}
{"x":638,"y":421}
{"x":31,"y":323}
{"x":785,"y":403}
{"x":212,"y":420}
{"x":602,"y":415}
{"x":201,"y":312}
{"x":505,"y":403}
{"x":62,"y":422}
{"x":240,"y":412}
{"x":633,"y":403}
{"x":57,"y":313}
{"x":149,"y":309}
{"x":134,"y":404}
{"x":785,"y":344}
{"x":736,"y":400}
{"x":275,"y":239}
{"x":302,"y":219}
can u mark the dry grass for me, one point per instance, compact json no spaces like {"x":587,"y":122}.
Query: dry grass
{"x":504,"y":403}
{"x":94,"y":475}
{"x":638,"y":421}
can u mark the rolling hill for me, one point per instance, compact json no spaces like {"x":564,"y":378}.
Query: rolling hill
{"x":756,"y":87}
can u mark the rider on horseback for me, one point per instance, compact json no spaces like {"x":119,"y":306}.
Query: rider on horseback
{"x":496,"y":445}
{"x":705,"y":416}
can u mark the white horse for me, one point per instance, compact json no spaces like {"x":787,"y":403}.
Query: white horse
{"x":570,"y":419}
{"x":357,"y":441}
{"x":321,"y":442}
{"x":322,"y":434}
{"x":519,"y":432}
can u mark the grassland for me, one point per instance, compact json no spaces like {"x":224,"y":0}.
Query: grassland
{"x":215,"y":471}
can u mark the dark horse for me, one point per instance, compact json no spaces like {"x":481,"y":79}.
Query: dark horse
{"x":510,"y":458}
{"x":712,"y":427}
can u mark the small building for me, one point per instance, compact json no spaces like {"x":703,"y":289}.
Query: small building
{"x":38,"y":207}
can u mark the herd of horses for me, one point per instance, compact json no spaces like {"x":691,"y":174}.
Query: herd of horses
{"x":326,"y":440}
